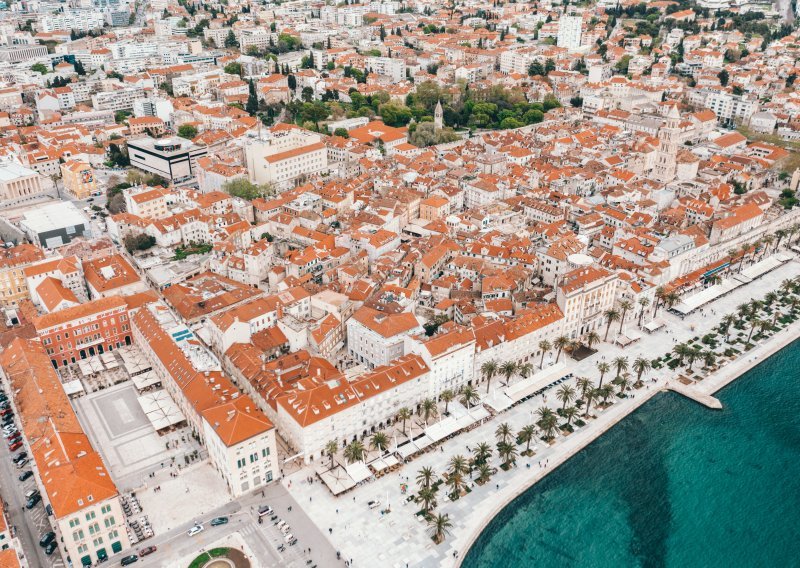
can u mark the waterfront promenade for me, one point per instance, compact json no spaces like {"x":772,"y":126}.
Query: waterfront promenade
{"x":400,"y":538}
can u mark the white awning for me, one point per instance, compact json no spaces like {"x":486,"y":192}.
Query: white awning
{"x":161,"y":410}
{"x":73,"y":387}
{"x":358,"y":472}
{"x":654,"y":325}
{"x":688,"y":305}
{"x":441,"y":429}
{"x":527,"y":387}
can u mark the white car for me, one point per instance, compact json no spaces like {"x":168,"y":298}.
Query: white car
{"x":195,"y":529}
{"x":288,"y":537}
{"x":9,"y":433}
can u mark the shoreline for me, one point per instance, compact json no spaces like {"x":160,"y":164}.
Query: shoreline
{"x":710,"y":385}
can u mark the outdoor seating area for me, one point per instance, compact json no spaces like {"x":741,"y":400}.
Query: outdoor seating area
{"x":161,"y":410}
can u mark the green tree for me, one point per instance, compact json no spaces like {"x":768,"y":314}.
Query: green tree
{"x":395,"y":115}
{"x":245,"y":189}
{"x":230,"y":40}
{"x":354,"y":452}
{"x":252,"y":99}
{"x":187,"y":131}
{"x":723,"y":77}
{"x":439,"y":527}
{"x":40,"y":68}
{"x":233,"y":68}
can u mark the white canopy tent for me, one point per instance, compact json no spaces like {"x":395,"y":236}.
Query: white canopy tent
{"x":161,"y":410}
{"x":688,"y":305}
{"x":358,"y":471}
{"x":526,"y":387}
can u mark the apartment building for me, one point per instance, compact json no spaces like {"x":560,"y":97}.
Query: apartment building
{"x":147,"y":202}
{"x":84,"y":330}
{"x":583,"y":296}
{"x":13,"y":261}
{"x":450,"y":356}
{"x":376,"y":338}
{"x":344,"y":411}
{"x":391,"y":67}
{"x":79,"y":178}
{"x":569,"y":31}
{"x":69,"y":472}
{"x":118,"y":99}
{"x":284,"y":154}
{"x":239,"y":437}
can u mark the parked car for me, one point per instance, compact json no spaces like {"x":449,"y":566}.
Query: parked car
{"x":19,"y":457}
{"x":148,"y":550}
{"x":128,"y":560}
{"x":22,"y":463}
{"x":32,"y":502}
{"x":50,"y":548}
{"x":47,"y":538}
{"x":264,"y":510}
{"x":195,"y":530}
{"x":15,"y":446}
{"x":15,"y":438}
{"x":5,"y":412}
{"x":10,"y":432}
{"x":219,"y":521}
{"x":25,"y":475}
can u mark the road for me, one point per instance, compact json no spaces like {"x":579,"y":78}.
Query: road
{"x":175,"y":547}
{"x":30,"y":524}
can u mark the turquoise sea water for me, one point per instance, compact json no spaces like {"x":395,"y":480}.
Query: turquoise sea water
{"x":672,"y":485}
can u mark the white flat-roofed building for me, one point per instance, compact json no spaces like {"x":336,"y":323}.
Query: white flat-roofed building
{"x":55,"y":224}
{"x":285,"y":154}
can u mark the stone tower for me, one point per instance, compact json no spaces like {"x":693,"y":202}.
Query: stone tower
{"x":669,"y":140}
{"x":438,"y":116}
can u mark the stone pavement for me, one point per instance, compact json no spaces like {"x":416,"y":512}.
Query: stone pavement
{"x":398,"y":538}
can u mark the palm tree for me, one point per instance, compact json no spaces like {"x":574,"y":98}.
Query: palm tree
{"x":725,"y":325}
{"x":754,"y":323}
{"x":603,"y":367}
{"x":624,"y":305}
{"x":456,"y":483}
{"x":709,"y":358}
{"x":331,"y":448}
{"x":404,"y":414}
{"x":584,"y":384}
{"x":621,"y":364}
{"x":425,"y":477}
{"x":484,"y":473}
{"x":547,"y":424}
{"x":561,"y":342}
{"x":482,"y":453}
{"x":591,"y":338}
{"x":693,"y":354}
{"x":503,"y":432}
{"x":611,"y":316}
{"x":643,"y":302}
{"x":590,"y":394}
{"x":544,"y":347}
{"x":447,"y":395}
{"x":525,"y":370}
{"x":570,"y":413}
{"x":468,"y":396}
{"x":508,"y":369}
{"x":379,"y":441}
{"x":606,"y":392}
{"x":767,"y":240}
{"x":681,"y":351}
{"x":622,"y":383}
{"x":526,"y":435}
{"x":427,"y":496}
{"x":640,"y":366}
{"x":439,"y":527}
{"x":780,"y":234}
{"x":457,"y":464}
{"x":661,"y":293}
{"x":429,"y":409}
{"x":354,"y":451}
{"x":671,"y":299}
{"x":565,"y":394}
{"x":488,"y":370}
{"x":507,"y":452}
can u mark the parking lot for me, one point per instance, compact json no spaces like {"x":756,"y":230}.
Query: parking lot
{"x":27,"y":524}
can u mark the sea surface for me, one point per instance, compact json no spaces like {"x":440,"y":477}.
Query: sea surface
{"x":672,"y":485}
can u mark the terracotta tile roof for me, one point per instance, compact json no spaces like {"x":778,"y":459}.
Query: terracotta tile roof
{"x":108,"y":273}
{"x":80,"y":311}
{"x":207,"y":293}
{"x":73,"y":474}
{"x":387,"y":325}
{"x":52,"y":292}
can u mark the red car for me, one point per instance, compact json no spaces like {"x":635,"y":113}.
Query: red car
{"x":148,"y":550}
{"x":15,"y":446}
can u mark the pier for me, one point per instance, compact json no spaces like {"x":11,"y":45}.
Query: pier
{"x":705,"y":399}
